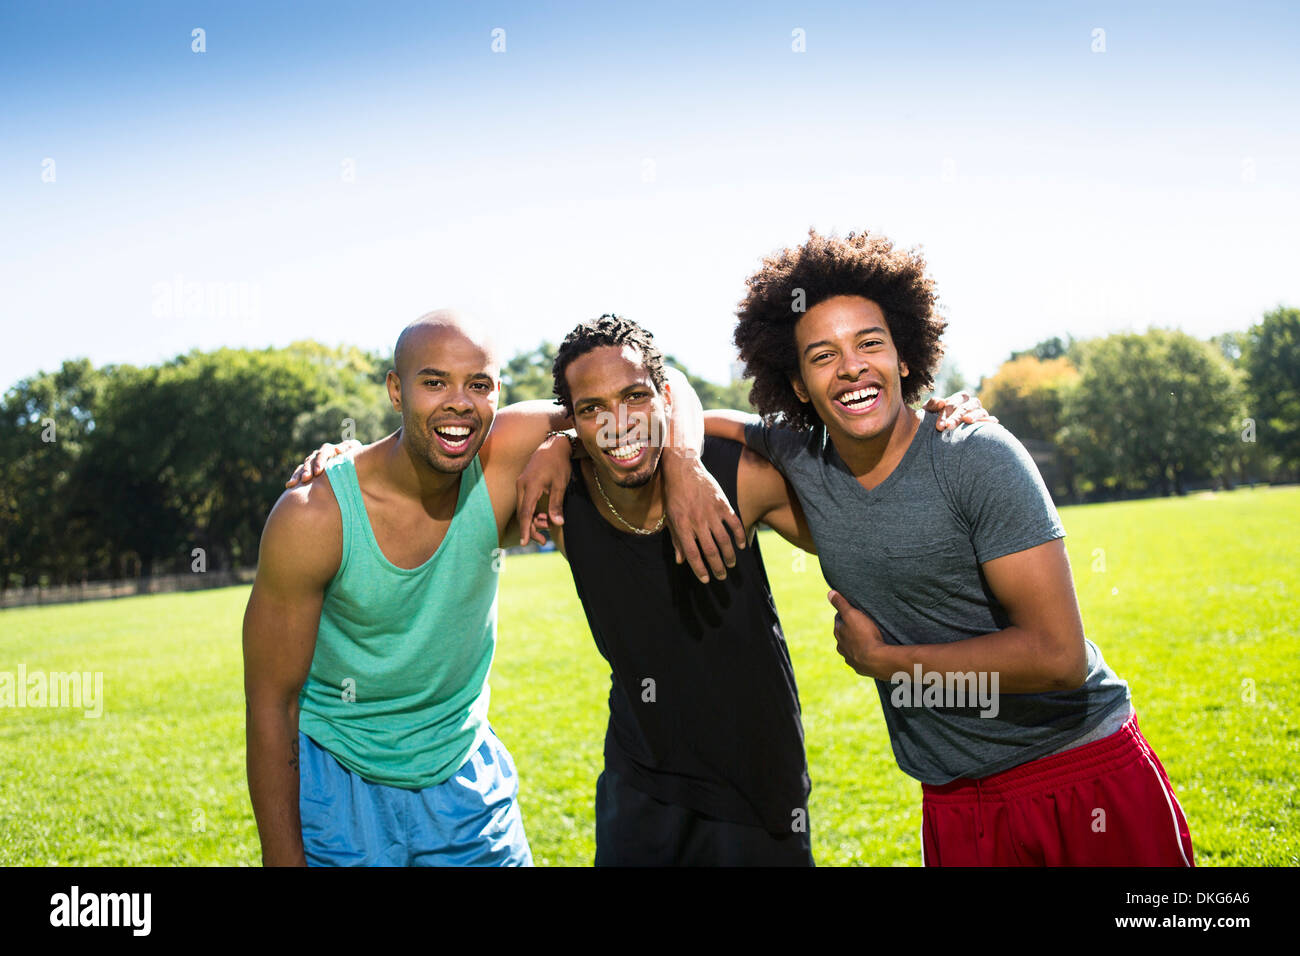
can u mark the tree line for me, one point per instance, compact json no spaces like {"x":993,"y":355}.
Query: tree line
{"x":123,"y":472}
{"x":1159,"y":412}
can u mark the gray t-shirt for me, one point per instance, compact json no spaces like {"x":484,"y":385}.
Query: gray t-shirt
{"x":908,"y":553}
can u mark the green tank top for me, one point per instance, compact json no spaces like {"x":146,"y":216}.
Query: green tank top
{"x":398,"y":687}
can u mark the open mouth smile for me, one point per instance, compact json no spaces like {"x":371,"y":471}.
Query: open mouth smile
{"x":454,"y":439}
{"x":859,"y":401}
{"x":627,"y":456}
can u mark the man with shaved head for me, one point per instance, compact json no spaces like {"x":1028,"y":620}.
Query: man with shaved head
{"x":371,"y":626}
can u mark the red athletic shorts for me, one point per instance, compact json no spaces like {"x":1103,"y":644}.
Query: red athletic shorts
{"x":1107,"y":803}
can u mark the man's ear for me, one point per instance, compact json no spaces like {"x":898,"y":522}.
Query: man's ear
{"x":902,"y":369}
{"x":796,"y":382}
{"x":394,"y":389}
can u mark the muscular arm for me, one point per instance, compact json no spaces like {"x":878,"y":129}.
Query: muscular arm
{"x":961,"y":407}
{"x":516,"y":432}
{"x":1043,"y":649}
{"x":727,"y":423}
{"x":699,"y":517}
{"x":300,"y":553}
{"x":765,"y":496}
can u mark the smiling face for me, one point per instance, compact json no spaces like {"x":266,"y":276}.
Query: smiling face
{"x":618,"y":413}
{"x":446,"y":388}
{"x":848,"y":367}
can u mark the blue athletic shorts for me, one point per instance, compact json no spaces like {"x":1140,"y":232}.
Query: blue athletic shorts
{"x":471,"y":819}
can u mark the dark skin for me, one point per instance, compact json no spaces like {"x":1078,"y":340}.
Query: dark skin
{"x":612,"y":384}
{"x":542,"y":484}
{"x":410,"y":482}
{"x":446,"y":381}
{"x":706,"y":532}
{"x":844,"y":347}
{"x":846,"y":350}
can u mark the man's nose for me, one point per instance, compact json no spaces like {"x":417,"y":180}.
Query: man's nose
{"x":458,"y":400}
{"x":851,"y":365}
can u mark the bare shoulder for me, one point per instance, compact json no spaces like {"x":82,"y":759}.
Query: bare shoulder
{"x":307,"y":507}
{"x":303,"y":537}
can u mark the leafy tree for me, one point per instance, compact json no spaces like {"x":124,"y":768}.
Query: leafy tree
{"x":45,"y":421}
{"x":1027,"y":394}
{"x":357,"y":406}
{"x":1230,"y":345}
{"x":734,"y":395}
{"x":194,"y":453}
{"x":1152,"y":411}
{"x":949,"y":380}
{"x":527,"y":376}
{"x":126,"y":478}
{"x":242,"y":409}
{"x":1048,"y":349}
{"x":147,"y":464}
{"x":1271,"y":358}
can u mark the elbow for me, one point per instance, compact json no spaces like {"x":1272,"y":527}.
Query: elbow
{"x":270,"y":710}
{"x":1068,"y":667}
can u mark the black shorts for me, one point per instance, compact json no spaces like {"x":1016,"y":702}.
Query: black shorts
{"x":635,"y":829}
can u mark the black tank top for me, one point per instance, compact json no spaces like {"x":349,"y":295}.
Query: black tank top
{"x":703,"y":709}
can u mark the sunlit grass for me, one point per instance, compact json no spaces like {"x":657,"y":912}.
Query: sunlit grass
{"x":1192,"y":601}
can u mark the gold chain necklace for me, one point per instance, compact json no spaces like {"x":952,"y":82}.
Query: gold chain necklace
{"x":631,"y":527}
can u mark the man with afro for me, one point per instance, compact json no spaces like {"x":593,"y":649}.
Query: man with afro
{"x":950,"y":579}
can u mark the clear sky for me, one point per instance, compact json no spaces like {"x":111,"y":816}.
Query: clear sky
{"x":333,"y":170}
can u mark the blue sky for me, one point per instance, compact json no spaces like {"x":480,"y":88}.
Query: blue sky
{"x":334,"y":170}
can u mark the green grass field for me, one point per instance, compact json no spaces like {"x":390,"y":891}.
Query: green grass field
{"x":1193,"y":601}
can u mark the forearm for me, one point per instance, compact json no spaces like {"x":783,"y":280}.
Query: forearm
{"x":272,"y":741}
{"x":543,"y":414}
{"x":1026,"y":661}
{"x":728,"y":423}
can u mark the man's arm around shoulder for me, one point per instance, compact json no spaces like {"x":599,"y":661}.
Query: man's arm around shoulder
{"x":766,"y":496}
{"x":302,"y":547}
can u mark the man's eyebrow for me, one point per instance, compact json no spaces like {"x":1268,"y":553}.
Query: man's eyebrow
{"x":861,"y":332}
{"x":634,"y":387}
{"x":439,"y":373}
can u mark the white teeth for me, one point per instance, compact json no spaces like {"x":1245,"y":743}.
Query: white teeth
{"x":859,"y":395}
{"x":625,"y":452}
{"x":459,"y":431}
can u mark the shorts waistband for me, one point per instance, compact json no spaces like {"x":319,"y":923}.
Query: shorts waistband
{"x":1110,"y":753}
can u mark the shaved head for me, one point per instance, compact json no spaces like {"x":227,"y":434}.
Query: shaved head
{"x":438,"y":324}
{"x":445,"y":382}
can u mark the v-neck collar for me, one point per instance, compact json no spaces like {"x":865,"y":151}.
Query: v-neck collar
{"x":871,"y":494}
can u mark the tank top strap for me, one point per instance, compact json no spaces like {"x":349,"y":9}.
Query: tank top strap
{"x":342,"y":472}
